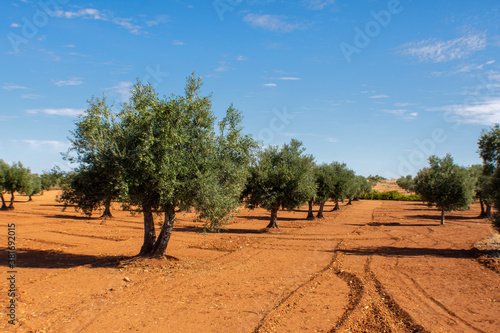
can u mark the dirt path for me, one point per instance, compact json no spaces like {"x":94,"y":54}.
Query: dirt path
{"x":372,"y":267}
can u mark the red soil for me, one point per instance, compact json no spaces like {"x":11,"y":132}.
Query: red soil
{"x":371,"y":267}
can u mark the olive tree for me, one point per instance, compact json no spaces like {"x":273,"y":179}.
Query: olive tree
{"x":4,"y":169}
{"x":16,"y":179}
{"x":97,"y":180}
{"x":282,"y":177}
{"x":445,"y":185}
{"x":489,"y":150}
{"x":342,"y":177}
{"x":325,"y":185}
{"x":406,"y":183}
{"x":33,"y":186}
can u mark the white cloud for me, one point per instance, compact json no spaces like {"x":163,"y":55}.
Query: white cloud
{"x":70,"y":45}
{"x":12,"y":86}
{"x":270,"y":22}
{"x":379,"y":96}
{"x":269,"y":85}
{"x":222,"y":67}
{"x":485,"y":112}
{"x":177,"y":42}
{"x":123,"y":89}
{"x":402,"y":113}
{"x":95,"y":14}
{"x":158,"y":19}
{"x":463,"y":69}
{"x":57,"y":112}
{"x":434,"y":50}
{"x":74,"y":81}
{"x":318,"y":4}
{"x":15,"y":25}
{"x":288,"y":78}
{"x":241,"y":58}
{"x":41,"y":144}
{"x":32,"y":96}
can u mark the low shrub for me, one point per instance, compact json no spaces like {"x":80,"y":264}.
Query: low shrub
{"x":390,"y":195}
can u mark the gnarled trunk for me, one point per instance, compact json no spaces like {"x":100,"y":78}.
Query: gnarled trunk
{"x":164,"y":236}
{"x":149,"y":231}
{"x":274,"y":217}
{"x":29,"y":197}
{"x":442,"y":216}
{"x":320,"y":211}
{"x":483,"y":212}
{"x":350,"y":201}
{"x":337,"y":207}
{"x":487,"y":213}
{"x":4,"y":206}
{"x":107,"y":209}
{"x":310,"y":215}
{"x":11,"y":205}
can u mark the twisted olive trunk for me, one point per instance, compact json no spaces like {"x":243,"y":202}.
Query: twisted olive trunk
{"x":442,"y":216}
{"x":4,"y":206}
{"x":107,"y":209}
{"x":274,"y":217}
{"x":337,"y":207}
{"x":149,"y":231}
{"x":166,"y":231}
{"x":320,"y":211}
{"x":310,"y":215}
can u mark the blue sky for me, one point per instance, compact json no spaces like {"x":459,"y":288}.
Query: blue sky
{"x":379,"y":85}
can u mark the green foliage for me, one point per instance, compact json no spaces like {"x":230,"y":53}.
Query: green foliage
{"x":282,"y":177}
{"x":94,"y":145}
{"x":489,"y":150}
{"x":33,"y":186}
{"x":159,"y":154}
{"x":52,"y":178}
{"x":357,"y":186}
{"x":390,"y":195}
{"x":373,"y":180}
{"x":445,"y":185}
{"x":406,"y":183}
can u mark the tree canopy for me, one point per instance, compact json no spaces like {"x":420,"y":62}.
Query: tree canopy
{"x":445,"y":185}
{"x":282,"y":177}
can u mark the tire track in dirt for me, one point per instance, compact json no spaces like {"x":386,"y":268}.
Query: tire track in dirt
{"x":289,"y":304}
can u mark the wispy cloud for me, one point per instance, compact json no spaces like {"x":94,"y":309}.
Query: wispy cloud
{"x":57,"y":112}
{"x":241,"y":58}
{"x":269,"y":85}
{"x":402,"y":114}
{"x":41,"y":144}
{"x":158,"y":20}
{"x":32,"y":96}
{"x":464,"y":69}
{"x":379,"y":96}
{"x":177,"y":42}
{"x":318,"y":4}
{"x":12,"y":86}
{"x":222,"y":67}
{"x":123,"y":89}
{"x":15,"y":25}
{"x":486,"y":112}
{"x":271,"y":22}
{"x":434,"y":50}
{"x":95,"y":14}
{"x":74,"y":81}
{"x":70,"y":45}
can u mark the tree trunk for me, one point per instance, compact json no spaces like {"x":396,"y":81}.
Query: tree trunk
{"x":488,"y":211}
{"x":4,"y":206}
{"x":11,"y":205}
{"x":29,"y":198}
{"x":442,"y":216}
{"x":149,"y":231}
{"x":320,"y":211}
{"x":164,"y":236}
{"x":107,"y":209}
{"x":337,"y":207}
{"x":274,"y":217}
{"x":350,"y":201}
{"x":483,"y":212}
{"x":310,"y":215}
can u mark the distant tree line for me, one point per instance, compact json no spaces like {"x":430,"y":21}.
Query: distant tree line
{"x":16,"y":178}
